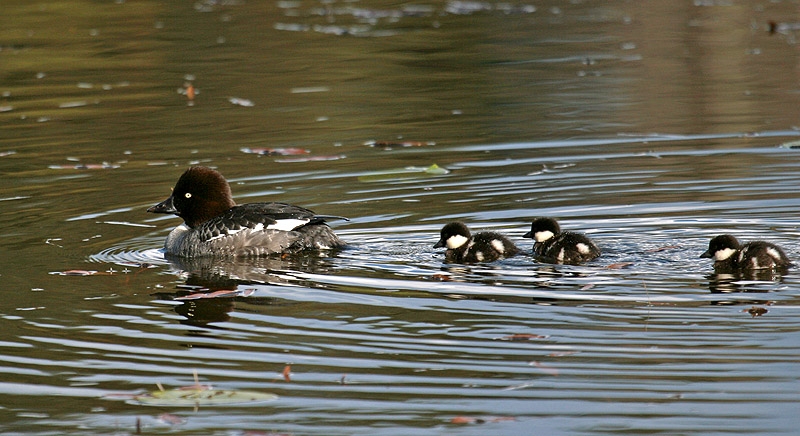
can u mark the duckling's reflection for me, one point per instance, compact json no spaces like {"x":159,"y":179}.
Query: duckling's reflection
{"x":727,"y":281}
{"x":213,"y":285}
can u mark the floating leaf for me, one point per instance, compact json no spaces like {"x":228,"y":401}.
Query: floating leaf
{"x":668,"y":247}
{"x":287,"y":373}
{"x":756,"y":311}
{"x":289,"y":151}
{"x":479,"y":420}
{"x":241,"y":102}
{"x":103,"y":166}
{"x":199,"y":396}
{"x":436,"y":169}
{"x":391,"y":144}
{"x":619,"y":265}
{"x":442,"y":277}
{"x":522,"y":337}
{"x":74,"y":272}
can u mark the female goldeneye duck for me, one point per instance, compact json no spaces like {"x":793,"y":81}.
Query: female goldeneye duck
{"x":215,"y":226}
{"x":463,"y":247}
{"x":554,"y":246}
{"x":728,"y":255}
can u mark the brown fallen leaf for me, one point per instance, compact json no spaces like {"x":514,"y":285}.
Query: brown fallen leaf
{"x":756,"y":311}
{"x":287,"y":373}
{"x":664,"y":248}
{"x":442,"y":277}
{"x":465,"y":420}
{"x":619,"y":265}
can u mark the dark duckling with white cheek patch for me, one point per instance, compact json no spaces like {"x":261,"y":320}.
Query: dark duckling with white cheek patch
{"x":730,"y":256}
{"x":463,"y":247}
{"x":551,"y":245}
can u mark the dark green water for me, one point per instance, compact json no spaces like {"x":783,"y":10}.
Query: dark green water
{"x":652,"y":126}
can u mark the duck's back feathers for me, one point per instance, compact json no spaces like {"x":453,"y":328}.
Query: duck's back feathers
{"x":488,"y":247}
{"x":567,"y":248}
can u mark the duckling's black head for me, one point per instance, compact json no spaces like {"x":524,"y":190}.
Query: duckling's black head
{"x":542,"y":229}
{"x":721,"y":247}
{"x":453,"y":235}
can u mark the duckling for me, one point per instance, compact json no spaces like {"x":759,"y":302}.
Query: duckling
{"x":554,"y":246}
{"x":463,"y":247}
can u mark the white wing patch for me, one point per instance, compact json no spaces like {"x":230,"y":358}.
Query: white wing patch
{"x":773,"y":253}
{"x":285,"y":225}
{"x":543,"y":235}
{"x":724,"y":254}
{"x":583,"y":248}
{"x":456,"y":241}
{"x":498,"y":245}
{"x":230,"y":232}
{"x":479,"y":256}
{"x":560,"y":256}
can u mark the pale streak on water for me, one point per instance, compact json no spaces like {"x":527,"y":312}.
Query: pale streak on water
{"x":554,"y":110}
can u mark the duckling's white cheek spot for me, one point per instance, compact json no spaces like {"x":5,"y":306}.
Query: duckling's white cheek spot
{"x":583,"y":248}
{"x":542,"y":235}
{"x":724,"y":253}
{"x":498,"y":245}
{"x":456,"y":241}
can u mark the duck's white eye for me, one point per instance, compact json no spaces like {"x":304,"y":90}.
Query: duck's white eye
{"x":188,"y":195}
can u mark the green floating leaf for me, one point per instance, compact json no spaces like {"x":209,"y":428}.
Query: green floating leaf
{"x":401,"y":173}
{"x":203,"y":397}
{"x":436,"y":169}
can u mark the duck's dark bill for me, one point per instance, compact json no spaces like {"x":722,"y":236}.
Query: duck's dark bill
{"x":165,"y":206}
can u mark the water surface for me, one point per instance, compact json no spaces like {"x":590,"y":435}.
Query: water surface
{"x":651,"y":126}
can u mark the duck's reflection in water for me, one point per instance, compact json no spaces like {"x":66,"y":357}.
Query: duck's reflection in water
{"x":760,"y":281}
{"x":213,"y":286}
